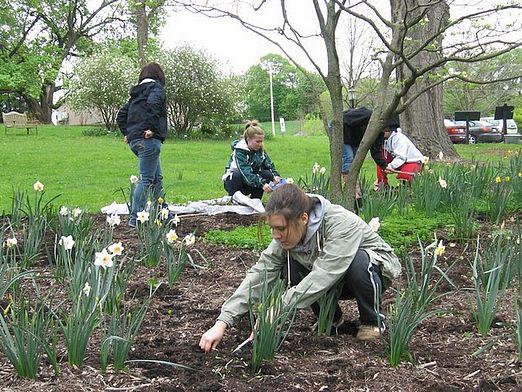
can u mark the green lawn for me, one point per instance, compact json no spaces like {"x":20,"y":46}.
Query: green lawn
{"x":89,"y":171}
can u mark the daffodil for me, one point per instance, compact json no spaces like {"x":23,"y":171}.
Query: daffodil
{"x":171,"y":236}
{"x":176,"y":220}
{"x":441,"y":155}
{"x":322,"y":170}
{"x":87,"y":289}
{"x":440,"y":249}
{"x":425,"y":160}
{"x":290,"y":180}
{"x":164,"y":213}
{"x":442,"y":182}
{"x":103,"y":259}
{"x":133,"y":179}
{"x":76,"y":212}
{"x":64,"y":211}
{"x":520,"y":174}
{"x":143,"y":216}
{"x":374,"y":224}
{"x":116,"y":249}
{"x":316,"y":167}
{"x":160,"y":200}
{"x":113,"y":220}
{"x":498,"y":179}
{"x":158,"y":223}
{"x":10,"y":242}
{"x":67,"y":242}
{"x":507,"y":178}
{"x":38,"y":186}
{"x":189,"y":239}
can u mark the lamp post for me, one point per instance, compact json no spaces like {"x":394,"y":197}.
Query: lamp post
{"x":270,"y":72}
{"x":351,"y":96}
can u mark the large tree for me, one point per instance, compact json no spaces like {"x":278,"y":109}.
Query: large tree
{"x":38,"y":36}
{"x":393,"y":25}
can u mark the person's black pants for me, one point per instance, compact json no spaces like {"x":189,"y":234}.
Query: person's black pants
{"x":235,"y":183}
{"x":363,"y":281}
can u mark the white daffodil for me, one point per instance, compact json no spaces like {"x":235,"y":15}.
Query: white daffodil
{"x":67,"y":242}
{"x":103,"y":259}
{"x":442,"y":182}
{"x":116,"y":249}
{"x":87,"y":289}
{"x":38,"y":186}
{"x":133,"y":179}
{"x":64,"y":211}
{"x":322,"y":170}
{"x":113,"y":220}
{"x":10,"y":242}
{"x":76,"y":212}
{"x":440,"y":249}
{"x":189,"y":239}
{"x":289,"y":180}
{"x":425,"y":160}
{"x":374,"y":224}
{"x":441,"y":155}
{"x":176,"y":220}
{"x":171,"y":236}
{"x":164,"y":213}
{"x":143,"y":216}
{"x":316,"y":167}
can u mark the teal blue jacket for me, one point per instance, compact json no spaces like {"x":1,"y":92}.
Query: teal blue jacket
{"x":249,"y":164}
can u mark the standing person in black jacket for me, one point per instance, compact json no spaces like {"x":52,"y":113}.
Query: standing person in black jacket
{"x":143,"y":122}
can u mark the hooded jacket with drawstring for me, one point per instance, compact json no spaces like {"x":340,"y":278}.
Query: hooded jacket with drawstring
{"x":249,"y":164}
{"x":332,"y":239}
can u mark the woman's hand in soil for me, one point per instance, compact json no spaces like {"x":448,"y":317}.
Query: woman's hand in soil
{"x":213,"y":336}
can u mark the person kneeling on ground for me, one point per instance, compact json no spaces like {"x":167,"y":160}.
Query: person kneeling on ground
{"x":316,"y":245}
{"x":402,"y":156}
{"x":249,"y":168}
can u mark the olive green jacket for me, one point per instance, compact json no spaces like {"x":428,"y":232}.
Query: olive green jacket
{"x":334,"y":235}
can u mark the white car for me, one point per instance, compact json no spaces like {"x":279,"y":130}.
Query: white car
{"x":512,"y":127}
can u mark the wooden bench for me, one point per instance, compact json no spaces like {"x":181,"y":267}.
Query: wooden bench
{"x":15,"y":120}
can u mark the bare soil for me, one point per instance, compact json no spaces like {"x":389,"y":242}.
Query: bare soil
{"x":441,"y":351}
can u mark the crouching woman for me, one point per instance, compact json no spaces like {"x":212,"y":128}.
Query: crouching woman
{"x":316,"y":245}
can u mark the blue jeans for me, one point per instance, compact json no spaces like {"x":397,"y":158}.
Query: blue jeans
{"x":150,"y":180}
{"x":349,"y":152}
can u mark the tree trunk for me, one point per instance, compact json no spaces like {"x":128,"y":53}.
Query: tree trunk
{"x":423,"y":119}
{"x":42,"y":108}
{"x":142,"y":31}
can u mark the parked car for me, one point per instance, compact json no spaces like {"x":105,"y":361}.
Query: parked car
{"x":512,"y":127}
{"x":456,"y":133}
{"x":481,"y":131}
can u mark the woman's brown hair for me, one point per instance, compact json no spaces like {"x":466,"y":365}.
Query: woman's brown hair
{"x":252,"y":129}
{"x":289,"y":201}
{"x":152,"y":71}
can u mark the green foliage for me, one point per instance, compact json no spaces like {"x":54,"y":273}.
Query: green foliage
{"x":328,"y":303}
{"x":199,"y":96}
{"x":102,"y":81}
{"x":255,"y":237}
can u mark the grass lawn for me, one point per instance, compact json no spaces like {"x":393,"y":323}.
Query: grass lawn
{"x":89,"y":171}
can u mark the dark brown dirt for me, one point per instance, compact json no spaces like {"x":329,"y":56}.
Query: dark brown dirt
{"x":441,"y":351}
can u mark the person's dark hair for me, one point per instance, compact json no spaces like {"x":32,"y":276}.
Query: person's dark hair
{"x":152,"y":71}
{"x":289,"y":201}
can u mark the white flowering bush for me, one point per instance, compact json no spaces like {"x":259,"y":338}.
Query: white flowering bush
{"x":102,"y":81}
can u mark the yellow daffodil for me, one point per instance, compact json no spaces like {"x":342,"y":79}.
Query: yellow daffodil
{"x":160,"y":200}
{"x":157,"y":222}
{"x":507,"y":178}
{"x":440,"y":249}
{"x":171,"y":236}
{"x":66,"y":242}
{"x":38,"y":186}
{"x":520,"y":174}
{"x":103,"y":259}
{"x":116,"y":249}
{"x":498,"y":179}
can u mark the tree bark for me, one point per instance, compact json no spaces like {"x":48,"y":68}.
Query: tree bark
{"x":423,"y":119}
{"x":142,"y":31}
